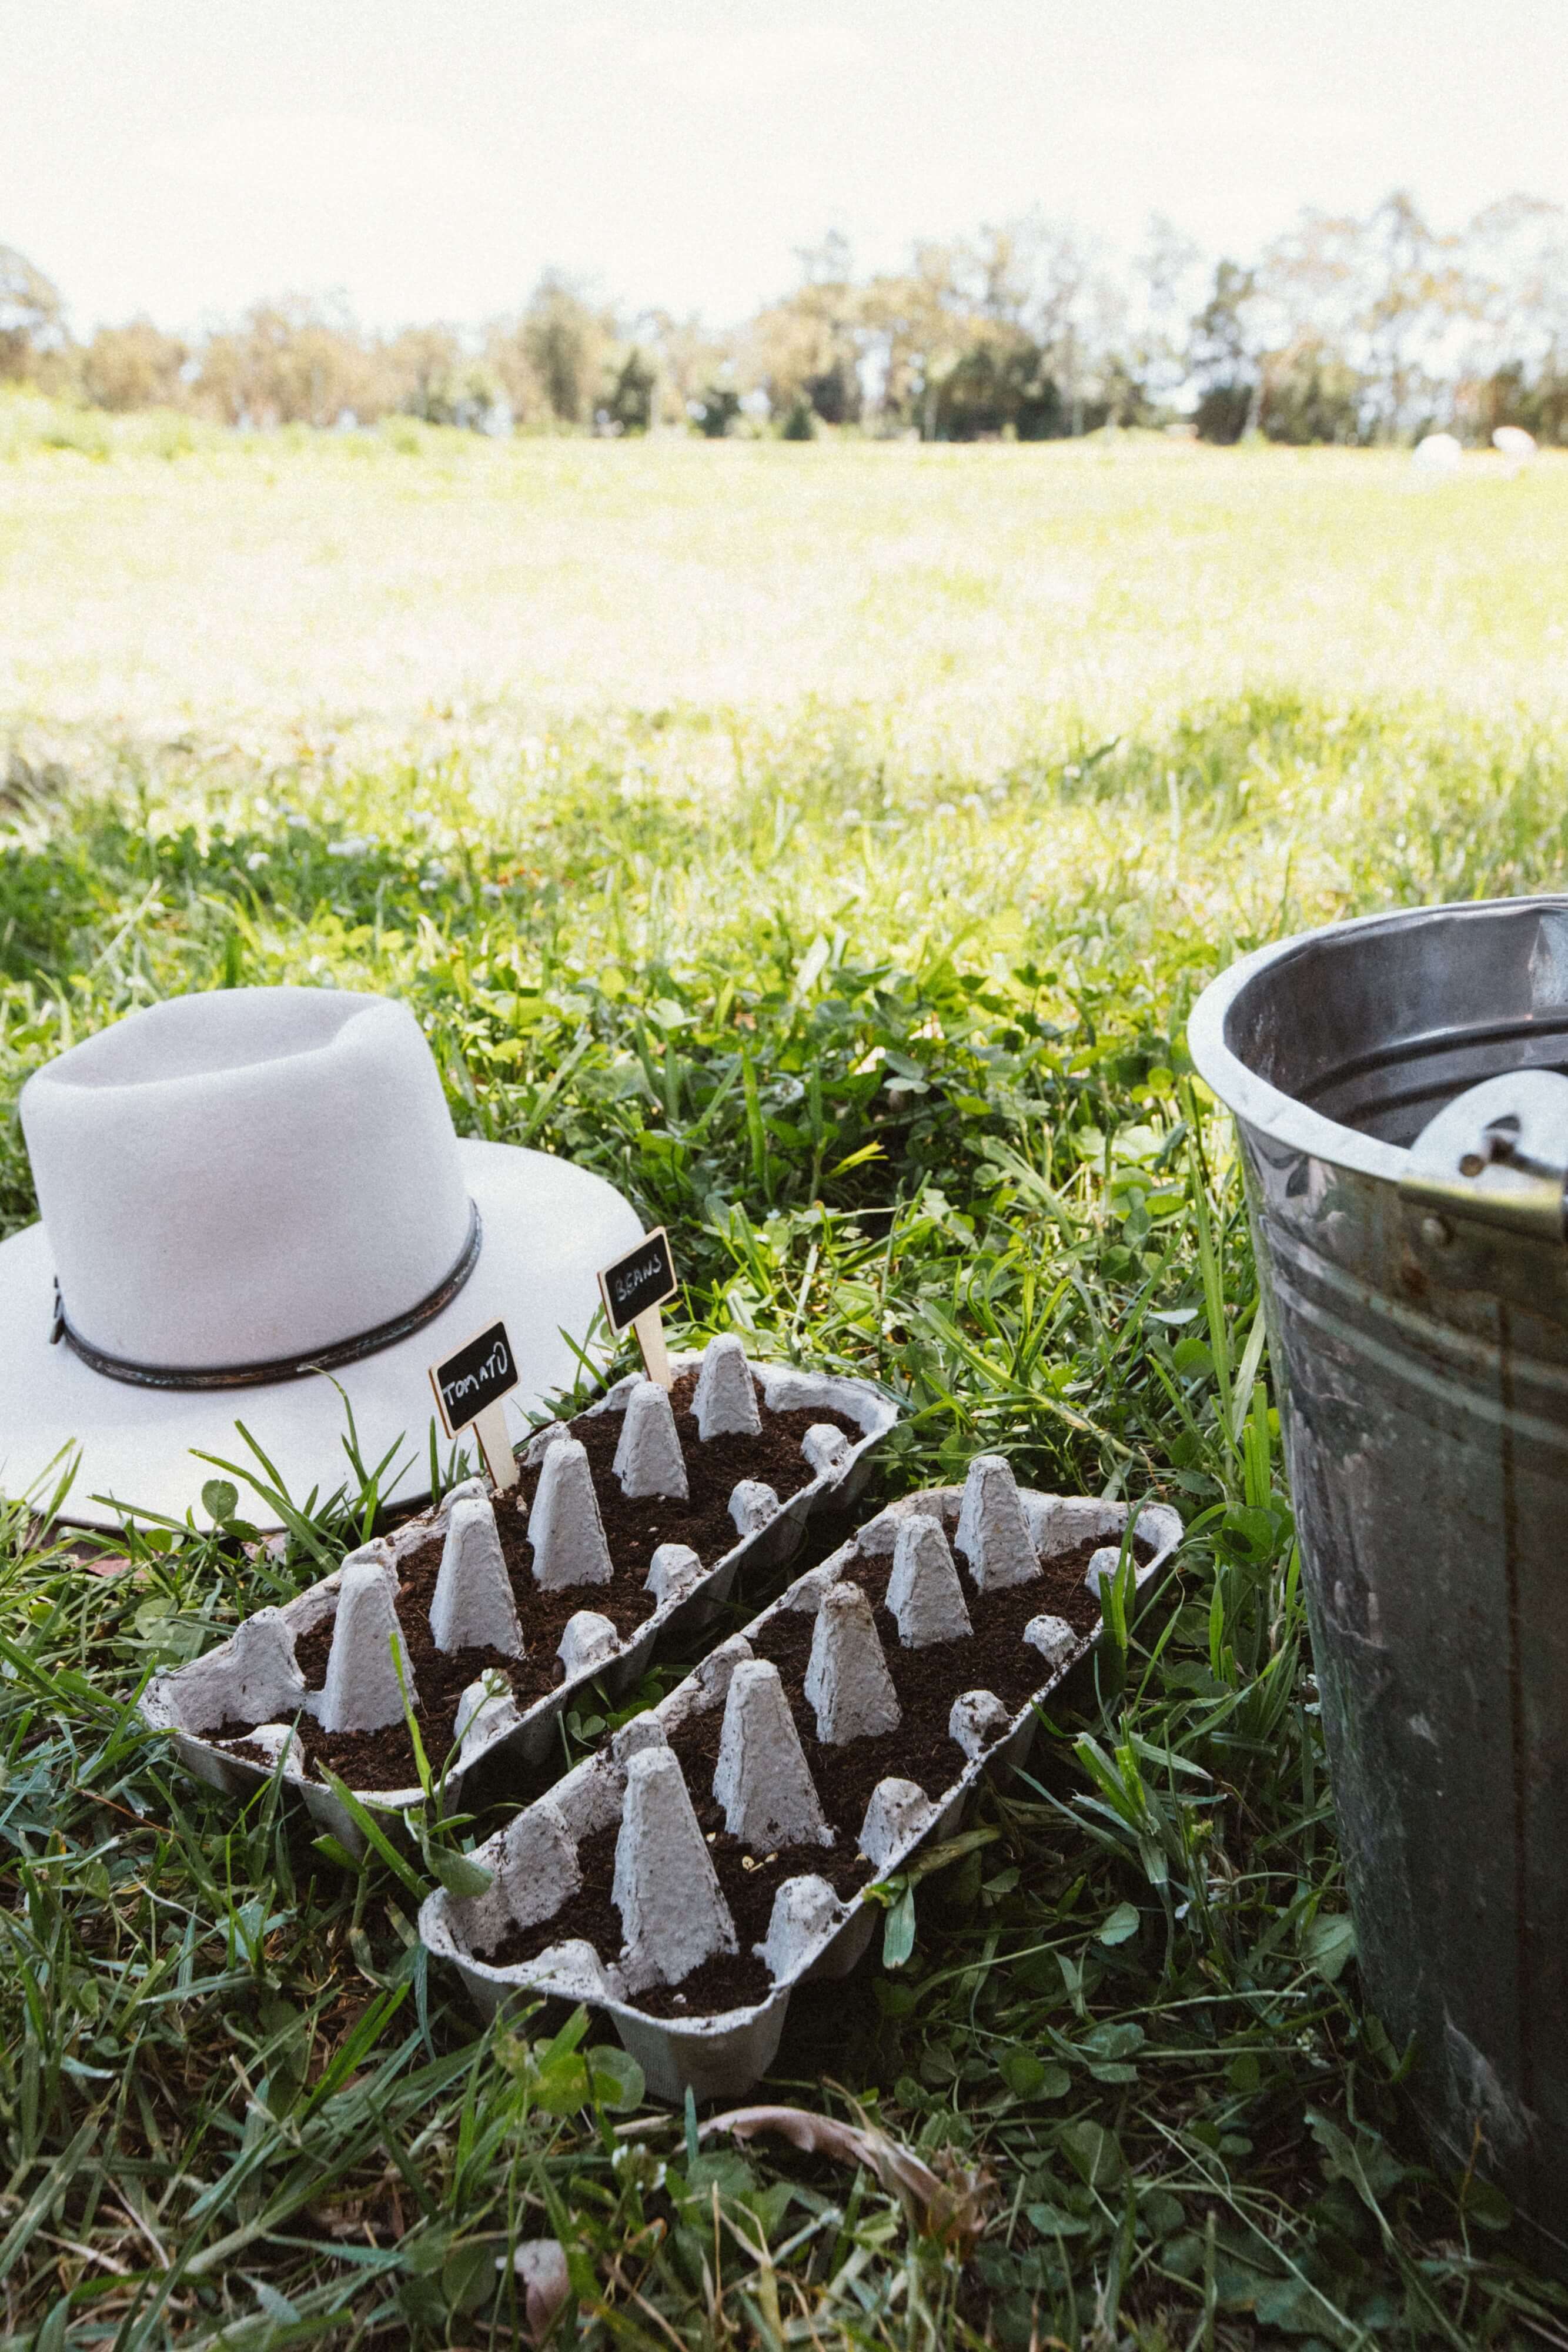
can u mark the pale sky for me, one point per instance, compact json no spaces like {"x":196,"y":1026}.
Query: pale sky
{"x":429,"y":158}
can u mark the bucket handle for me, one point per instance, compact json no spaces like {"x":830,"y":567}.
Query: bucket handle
{"x":1498,"y":1154}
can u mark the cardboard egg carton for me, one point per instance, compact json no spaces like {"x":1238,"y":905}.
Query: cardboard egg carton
{"x":943,"y":1548}
{"x":254,"y":1678}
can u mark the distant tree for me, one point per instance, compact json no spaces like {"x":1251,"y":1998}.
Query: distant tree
{"x":223,"y":378}
{"x":1415,"y":299}
{"x":916,"y":328}
{"x":1311,"y":284}
{"x":1535,"y":397}
{"x":808,"y":347}
{"x":1375,"y":328}
{"x":629,"y":406}
{"x":1516,"y":258}
{"x":514,"y":372}
{"x":805,"y":349}
{"x":1126,"y":391}
{"x":290,"y":362}
{"x":716,"y":411}
{"x":689,"y":358}
{"x":134,"y":366}
{"x":1165,"y":274}
{"x":424,"y":372}
{"x":553,"y":358}
{"x":1064,"y":302}
{"x":1000,"y":384}
{"x":1223,"y":357}
{"x":1311,"y":392}
{"x":1515,"y":370}
{"x":1041,"y":282}
{"x":31,"y":315}
{"x":1016,"y":331}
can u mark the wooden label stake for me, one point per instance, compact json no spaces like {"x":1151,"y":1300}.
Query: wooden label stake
{"x":495,"y":1440}
{"x":649,"y":1329}
{"x":634,"y":1289}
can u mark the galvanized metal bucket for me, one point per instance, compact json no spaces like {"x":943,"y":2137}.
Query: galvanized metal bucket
{"x":1408,"y":1220}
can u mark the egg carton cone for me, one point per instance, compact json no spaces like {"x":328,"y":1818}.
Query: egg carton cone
{"x":762,"y":1779}
{"x":474,"y":1602}
{"x":814,"y":1932}
{"x":648,"y":1460}
{"x":726,"y":1401}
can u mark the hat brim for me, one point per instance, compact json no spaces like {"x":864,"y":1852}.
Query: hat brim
{"x":549,"y":1227}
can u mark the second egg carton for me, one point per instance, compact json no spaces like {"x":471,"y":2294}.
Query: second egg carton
{"x":254,"y":1677}
{"x":671,"y":1916}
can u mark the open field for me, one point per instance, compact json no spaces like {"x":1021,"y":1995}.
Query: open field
{"x":826,"y":843}
{"x":967,"y":599}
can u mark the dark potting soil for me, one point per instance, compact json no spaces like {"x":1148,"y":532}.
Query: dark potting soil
{"x":993,"y":1657}
{"x":634,"y":1531}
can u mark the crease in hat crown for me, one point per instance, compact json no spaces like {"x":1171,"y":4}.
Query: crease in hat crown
{"x":246,"y":1175}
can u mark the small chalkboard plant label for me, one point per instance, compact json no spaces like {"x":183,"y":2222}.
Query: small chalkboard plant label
{"x":633,"y":1290}
{"x":469,"y":1385}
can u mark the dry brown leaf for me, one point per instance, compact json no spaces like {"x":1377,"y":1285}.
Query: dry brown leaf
{"x":109,"y":1564}
{"x":344,"y":2221}
{"x":949,"y":2205}
{"x":540,"y":2266}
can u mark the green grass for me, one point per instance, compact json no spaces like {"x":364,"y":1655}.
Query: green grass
{"x":827,"y":845}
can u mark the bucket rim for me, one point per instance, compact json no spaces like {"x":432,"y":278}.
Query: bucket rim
{"x":1284,"y":1119}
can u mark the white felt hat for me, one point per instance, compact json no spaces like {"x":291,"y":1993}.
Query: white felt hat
{"x":238,"y":1185}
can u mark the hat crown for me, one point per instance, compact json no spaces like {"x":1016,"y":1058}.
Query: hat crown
{"x":245,"y":1175}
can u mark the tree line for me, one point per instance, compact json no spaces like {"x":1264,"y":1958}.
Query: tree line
{"x":1346,"y":328}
